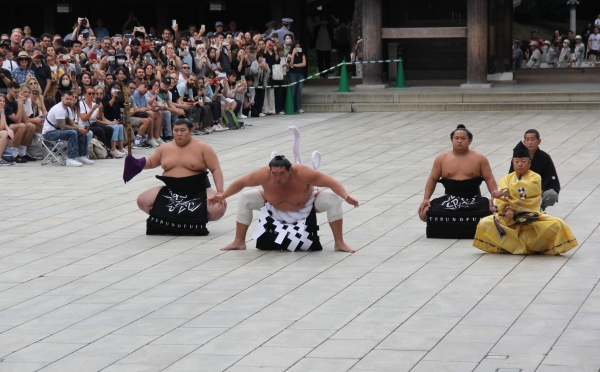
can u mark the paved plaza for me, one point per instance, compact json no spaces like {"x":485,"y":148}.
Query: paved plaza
{"x":82,"y":288}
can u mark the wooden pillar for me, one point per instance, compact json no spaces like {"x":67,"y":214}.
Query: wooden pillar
{"x":477,"y":41}
{"x":372,"y":44}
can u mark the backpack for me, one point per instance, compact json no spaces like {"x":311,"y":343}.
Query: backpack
{"x":35,"y":147}
{"x":97,"y":150}
{"x":231,"y":121}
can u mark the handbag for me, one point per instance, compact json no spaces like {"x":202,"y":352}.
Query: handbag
{"x":277,"y":72}
{"x":35,"y":147}
{"x":96,"y":149}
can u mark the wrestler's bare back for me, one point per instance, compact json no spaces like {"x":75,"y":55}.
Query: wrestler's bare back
{"x":182,"y":161}
{"x":291,"y":196}
{"x":460,"y":167}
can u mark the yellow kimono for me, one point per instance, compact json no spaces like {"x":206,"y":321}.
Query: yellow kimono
{"x":548,"y":235}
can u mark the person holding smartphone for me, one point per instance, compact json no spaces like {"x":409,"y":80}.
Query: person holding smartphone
{"x":90,"y":113}
{"x":184,"y":53}
{"x":295,"y":74}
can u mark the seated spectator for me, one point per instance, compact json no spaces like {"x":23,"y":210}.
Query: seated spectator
{"x":296,"y":73}
{"x":60,"y":125}
{"x":164,"y":101}
{"x":111,"y":111}
{"x":89,"y":108}
{"x":518,"y":227}
{"x":142,"y":116}
{"x":17,"y":122}
{"x":21,"y":73}
{"x":234,"y":93}
{"x":85,"y":82}
{"x":5,"y":133}
{"x":28,"y":115}
{"x":39,"y":108}
{"x":156,"y":113}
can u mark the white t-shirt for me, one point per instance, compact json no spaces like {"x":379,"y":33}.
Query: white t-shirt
{"x":57,"y":112}
{"x":10,"y":65}
{"x":28,"y":107}
{"x":84,"y":109}
{"x":595,"y":41}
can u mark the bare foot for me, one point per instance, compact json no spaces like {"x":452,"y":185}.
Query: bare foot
{"x":235,"y":246}
{"x":343,"y":247}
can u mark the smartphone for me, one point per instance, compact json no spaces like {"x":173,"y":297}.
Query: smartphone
{"x":225,"y":43}
{"x":63,"y":61}
{"x":299,"y":50}
{"x":117,"y":39}
{"x":174,"y":23}
{"x":93,"y":57}
{"x":187,"y":49}
{"x":222,"y":75}
{"x":73,"y":74}
{"x":243,"y":77}
{"x":139,"y":29}
{"x":128,"y":36}
{"x":202,"y":27}
{"x":98,"y":100}
{"x":110,"y":58}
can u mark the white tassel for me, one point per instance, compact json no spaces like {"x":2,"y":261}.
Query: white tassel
{"x":296,"y":145}
{"x":273,"y":154}
{"x":316,"y":160}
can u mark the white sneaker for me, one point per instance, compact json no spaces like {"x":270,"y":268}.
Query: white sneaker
{"x":160,"y":141}
{"x":123,"y":151}
{"x":261,"y":115}
{"x":219,"y":128}
{"x":73,"y":163}
{"x":116,"y":153}
{"x":152,"y":142}
{"x":84,"y":160}
{"x":282,"y":113}
{"x":300,"y":111}
{"x":242,"y":116}
{"x":210,"y":129}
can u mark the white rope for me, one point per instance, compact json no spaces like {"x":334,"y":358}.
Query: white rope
{"x":316,"y":160}
{"x":296,"y":145}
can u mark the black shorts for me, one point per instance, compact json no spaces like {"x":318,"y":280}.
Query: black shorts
{"x":594,"y":52}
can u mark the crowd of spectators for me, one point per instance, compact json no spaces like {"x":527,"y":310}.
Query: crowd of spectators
{"x":71,"y":87}
{"x":559,"y":51}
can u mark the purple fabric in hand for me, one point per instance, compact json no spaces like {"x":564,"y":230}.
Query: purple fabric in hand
{"x":132,"y":167}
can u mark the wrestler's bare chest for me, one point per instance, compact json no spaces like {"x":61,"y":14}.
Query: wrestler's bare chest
{"x":290,"y":197}
{"x":182,"y":161}
{"x":461,"y":168}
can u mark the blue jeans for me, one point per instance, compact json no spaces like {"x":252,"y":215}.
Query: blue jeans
{"x":296,"y":89}
{"x":118,"y":132}
{"x":77,"y":143}
{"x":166,"y":124}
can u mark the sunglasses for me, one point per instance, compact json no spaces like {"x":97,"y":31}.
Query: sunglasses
{"x":185,"y":68}
{"x":90,"y":94}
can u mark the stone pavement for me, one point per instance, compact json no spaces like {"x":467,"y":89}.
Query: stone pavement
{"x":83,"y":289}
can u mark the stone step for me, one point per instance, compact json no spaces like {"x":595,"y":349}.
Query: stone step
{"x":487,"y":106}
{"x":389,"y":96}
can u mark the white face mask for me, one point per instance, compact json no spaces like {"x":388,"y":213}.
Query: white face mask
{"x":65,"y":83}
{"x":544,"y":48}
{"x":288,"y":41}
{"x":120,"y":61}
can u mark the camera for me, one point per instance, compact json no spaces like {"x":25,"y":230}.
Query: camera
{"x":83,"y":22}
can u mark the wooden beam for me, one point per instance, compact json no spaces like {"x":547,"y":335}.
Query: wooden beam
{"x":424,"y":33}
{"x":373,"y":47}
{"x":477,"y":41}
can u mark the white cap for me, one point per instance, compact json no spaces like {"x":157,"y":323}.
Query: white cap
{"x":547,"y":42}
{"x":566,"y":42}
{"x":533,"y":42}
{"x":578,"y":37}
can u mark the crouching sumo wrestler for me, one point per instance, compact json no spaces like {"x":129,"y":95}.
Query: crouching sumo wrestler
{"x":288,"y":202}
{"x":179,"y":207}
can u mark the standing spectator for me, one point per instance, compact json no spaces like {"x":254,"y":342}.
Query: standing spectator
{"x":184,"y":53}
{"x":578,"y":52}
{"x":323,"y":43}
{"x":358,"y":56}
{"x":16,"y":120}
{"x":46,"y":42}
{"x":55,"y":73}
{"x":297,"y":64}
{"x":586,"y":32}
{"x":565,"y":55}
{"x":280,"y":91}
{"x":42,"y":71}
{"x":597,"y":21}
{"x":535,"y":37}
{"x":5,"y":76}
{"x":286,"y":23}
{"x":8,"y":63}
{"x":24,"y":70}
{"x":218,"y":27}
{"x":536,"y":57}
{"x":594,"y":46}
{"x":60,"y":125}
{"x":28,"y":44}
{"x":100,"y":31}
{"x":271,"y":58}
{"x":571,"y":38}
{"x":15,"y":40}
{"x":557,"y":38}
{"x":343,"y":40}
{"x":27,"y":31}
{"x":269,"y":25}
{"x":517,"y":58}
{"x":261,"y":71}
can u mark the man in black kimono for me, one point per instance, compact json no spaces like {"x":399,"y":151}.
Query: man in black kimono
{"x":542,"y":164}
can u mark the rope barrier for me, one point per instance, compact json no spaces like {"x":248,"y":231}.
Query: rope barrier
{"x":324,"y":72}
